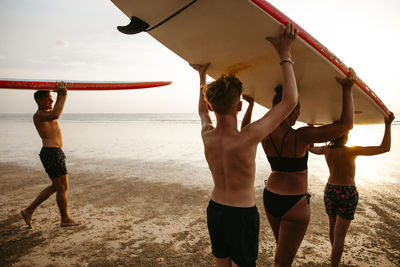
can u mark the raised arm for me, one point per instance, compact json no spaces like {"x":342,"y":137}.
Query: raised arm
{"x":332,"y":131}
{"x":204,"y":114}
{"x":319,"y":150}
{"x":55,"y":113}
{"x":270,"y":121}
{"x":247,"y":116}
{"x":375,"y":150}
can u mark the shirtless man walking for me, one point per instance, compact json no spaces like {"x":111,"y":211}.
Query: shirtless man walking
{"x":51,"y":155}
{"x":232,"y":217}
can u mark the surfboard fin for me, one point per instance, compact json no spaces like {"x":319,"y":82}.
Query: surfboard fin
{"x":135,"y":26}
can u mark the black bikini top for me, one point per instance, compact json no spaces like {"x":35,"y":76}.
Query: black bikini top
{"x":283,"y":164}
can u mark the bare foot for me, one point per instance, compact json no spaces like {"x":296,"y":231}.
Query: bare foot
{"x":27,"y":218}
{"x":70,"y":222}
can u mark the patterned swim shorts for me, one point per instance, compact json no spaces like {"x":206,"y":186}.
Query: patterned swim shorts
{"x":53,"y":160}
{"x":341,"y":200}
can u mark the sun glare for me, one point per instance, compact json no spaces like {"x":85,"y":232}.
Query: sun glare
{"x":366,"y":135}
{"x":367,"y":167}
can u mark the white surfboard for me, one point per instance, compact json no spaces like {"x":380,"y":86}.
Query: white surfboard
{"x":231,"y":35}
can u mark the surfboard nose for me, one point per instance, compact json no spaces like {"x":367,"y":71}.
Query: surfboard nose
{"x":135,"y":26}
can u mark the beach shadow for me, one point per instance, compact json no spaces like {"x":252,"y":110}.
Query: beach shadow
{"x":18,"y":240}
{"x":385,"y":231}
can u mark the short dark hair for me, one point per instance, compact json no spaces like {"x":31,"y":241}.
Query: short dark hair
{"x":39,"y":94}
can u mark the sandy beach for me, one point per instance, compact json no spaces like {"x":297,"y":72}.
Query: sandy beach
{"x":142,"y":195}
{"x":138,"y":177}
{"x":130,"y":221}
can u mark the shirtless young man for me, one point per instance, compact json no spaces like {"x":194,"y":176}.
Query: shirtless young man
{"x":341,"y":196}
{"x":232,"y":217}
{"x":51,"y":155}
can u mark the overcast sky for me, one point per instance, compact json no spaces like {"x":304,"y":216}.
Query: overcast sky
{"x":78,"y":40}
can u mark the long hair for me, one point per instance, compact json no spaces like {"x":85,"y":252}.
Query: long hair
{"x":278,"y":95}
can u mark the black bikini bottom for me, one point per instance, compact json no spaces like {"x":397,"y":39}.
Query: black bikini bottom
{"x":277,"y":205}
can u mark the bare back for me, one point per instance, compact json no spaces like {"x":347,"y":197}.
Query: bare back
{"x":231,"y":159}
{"x":290,"y":145}
{"x":342,"y":167}
{"x":230,"y":153}
{"x":49,"y":130}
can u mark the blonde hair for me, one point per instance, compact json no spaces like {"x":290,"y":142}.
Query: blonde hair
{"x":222,"y":93}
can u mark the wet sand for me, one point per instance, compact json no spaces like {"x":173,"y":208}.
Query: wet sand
{"x":131,"y":221}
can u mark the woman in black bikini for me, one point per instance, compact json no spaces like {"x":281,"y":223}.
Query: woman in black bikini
{"x":286,"y":199}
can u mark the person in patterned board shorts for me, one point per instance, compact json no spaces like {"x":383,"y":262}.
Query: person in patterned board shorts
{"x":341,"y":196}
{"x":51,"y":154}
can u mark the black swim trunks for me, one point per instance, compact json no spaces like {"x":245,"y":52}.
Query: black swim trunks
{"x":341,"y":200}
{"x":234,"y":232}
{"x":53,"y":160}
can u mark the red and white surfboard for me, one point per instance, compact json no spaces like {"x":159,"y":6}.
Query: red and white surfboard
{"x":77,"y":85}
{"x":231,"y":35}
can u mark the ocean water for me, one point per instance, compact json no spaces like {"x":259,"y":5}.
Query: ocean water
{"x":171,"y":140}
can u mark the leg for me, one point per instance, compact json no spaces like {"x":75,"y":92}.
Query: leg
{"x":28,"y":212}
{"x":332,"y":222}
{"x":331,"y":196}
{"x":291,"y":232}
{"x":223,"y":262}
{"x":275,"y":223}
{"x":61,"y":184}
{"x":341,"y":227}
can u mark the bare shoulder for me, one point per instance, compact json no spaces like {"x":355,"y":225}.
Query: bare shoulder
{"x":42,"y":115}
{"x":346,"y":151}
{"x":354,"y":149}
{"x":303,"y":134}
{"x":206,"y":129}
{"x":37,"y":115}
{"x":338,"y":151}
